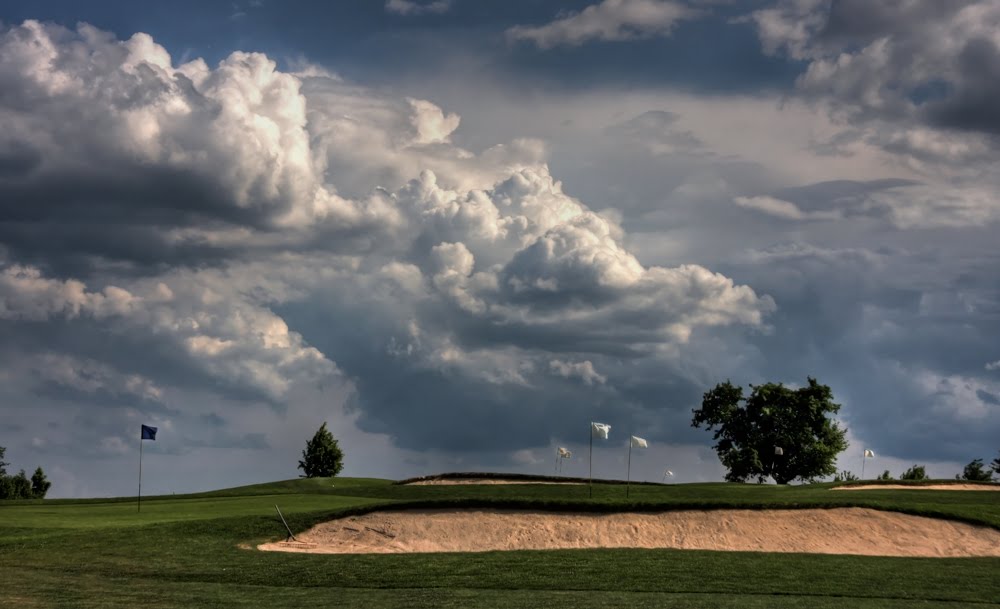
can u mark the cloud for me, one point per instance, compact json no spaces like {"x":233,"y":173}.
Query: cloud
{"x":610,"y":20}
{"x":904,"y":204}
{"x":410,"y":7}
{"x":930,"y":62}
{"x":271,"y":247}
{"x":782,"y":209}
{"x":993,"y":366}
{"x":232,"y":340}
{"x":583,"y":370}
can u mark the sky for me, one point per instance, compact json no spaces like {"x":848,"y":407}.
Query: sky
{"x":458,"y":231}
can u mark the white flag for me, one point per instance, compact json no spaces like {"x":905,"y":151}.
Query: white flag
{"x":638,"y":442}
{"x":564,"y":454}
{"x":600,"y":430}
{"x":778,"y":451}
{"x":869,"y":453}
{"x":668,"y":473}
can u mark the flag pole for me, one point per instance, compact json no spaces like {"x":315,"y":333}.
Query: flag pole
{"x":138,"y":505}
{"x":591,"y":460}
{"x":864,"y":459}
{"x":628,"y":473}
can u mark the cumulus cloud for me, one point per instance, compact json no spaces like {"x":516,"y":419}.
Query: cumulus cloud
{"x":235,"y":341}
{"x":410,"y":7}
{"x":993,"y":365}
{"x":612,"y":20}
{"x":284,"y":232}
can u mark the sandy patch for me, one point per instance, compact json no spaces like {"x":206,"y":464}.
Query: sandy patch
{"x":833,"y":531}
{"x":443,"y":481}
{"x":921,"y":487}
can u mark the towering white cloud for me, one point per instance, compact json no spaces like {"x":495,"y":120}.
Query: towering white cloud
{"x":253,"y":236}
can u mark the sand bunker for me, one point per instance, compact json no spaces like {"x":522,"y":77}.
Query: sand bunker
{"x":832,"y":531}
{"x":442,"y":481}
{"x":920,"y":487}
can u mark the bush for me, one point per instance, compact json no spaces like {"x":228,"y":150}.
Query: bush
{"x":845,"y":476}
{"x":885,"y":476}
{"x":916,"y":472}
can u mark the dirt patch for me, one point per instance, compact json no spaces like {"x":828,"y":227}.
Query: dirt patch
{"x":919,"y":487}
{"x":444,"y":481}
{"x":833,"y":531}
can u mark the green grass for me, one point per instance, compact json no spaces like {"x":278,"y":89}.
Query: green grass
{"x":183,"y":552}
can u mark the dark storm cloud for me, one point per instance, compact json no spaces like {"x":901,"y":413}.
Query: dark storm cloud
{"x":924,"y":62}
{"x":858,"y":21}
{"x":974,"y":102}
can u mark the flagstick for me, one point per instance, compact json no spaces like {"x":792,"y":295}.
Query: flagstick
{"x":628,"y":473}
{"x":591,"y":459}
{"x":864,"y":458}
{"x":138,"y":505}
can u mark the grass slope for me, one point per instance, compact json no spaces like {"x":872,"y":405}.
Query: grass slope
{"x":183,"y":552}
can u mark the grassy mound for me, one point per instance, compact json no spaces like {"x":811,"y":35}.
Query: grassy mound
{"x":184,"y":551}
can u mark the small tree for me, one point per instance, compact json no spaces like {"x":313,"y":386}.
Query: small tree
{"x":39,"y":484}
{"x":975,"y":472}
{"x":995,"y":466}
{"x":885,"y":476}
{"x":322,"y":457}
{"x":845,"y":476}
{"x":749,"y":429}
{"x":917,"y":472}
{"x":3,"y":464}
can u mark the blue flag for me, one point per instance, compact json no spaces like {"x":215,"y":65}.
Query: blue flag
{"x":148,"y":433}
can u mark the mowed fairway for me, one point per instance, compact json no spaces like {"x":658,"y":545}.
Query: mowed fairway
{"x":188,"y":551}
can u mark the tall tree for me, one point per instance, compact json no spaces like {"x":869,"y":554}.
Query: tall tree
{"x":748,"y":430}
{"x":975,"y":472}
{"x":322,"y":457}
{"x":39,"y":484}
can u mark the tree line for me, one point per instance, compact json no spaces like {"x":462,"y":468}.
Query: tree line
{"x":19,"y":486}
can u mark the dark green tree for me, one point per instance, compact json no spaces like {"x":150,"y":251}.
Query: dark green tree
{"x":975,"y":472}
{"x":39,"y":484}
{"x":6,"y":483}
{"x":322,"y":457}
{"x":917,"y":472}
{"x":995,"y":466}
{"x":747,"y":430}
{"x":20,"y":486}
{"x":886,"y":475}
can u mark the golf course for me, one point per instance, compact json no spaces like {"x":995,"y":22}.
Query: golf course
{"x":201,"y":550}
